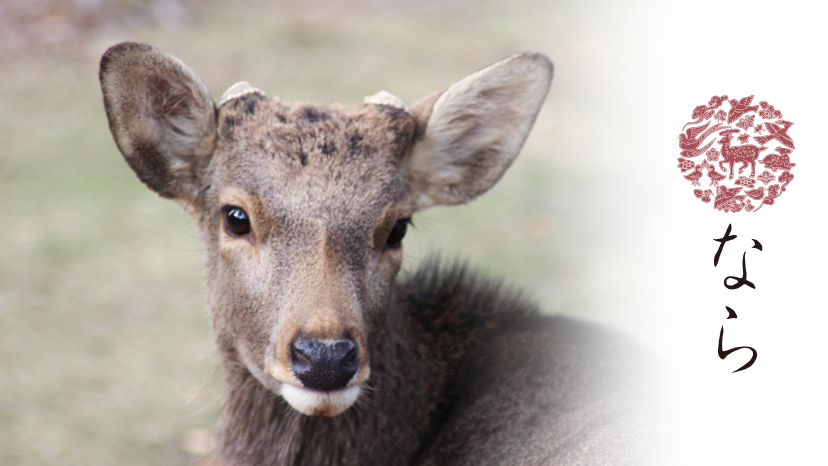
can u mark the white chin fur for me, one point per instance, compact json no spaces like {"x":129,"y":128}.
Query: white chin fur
{"x":319,"y":403}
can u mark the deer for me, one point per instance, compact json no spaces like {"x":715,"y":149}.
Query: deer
{"x":745,"y":154}
{"x":328,"y":357}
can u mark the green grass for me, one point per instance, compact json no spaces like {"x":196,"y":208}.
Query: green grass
{"x":105,"y":349}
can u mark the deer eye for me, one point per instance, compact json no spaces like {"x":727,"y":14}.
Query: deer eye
{"x":397,"y":233}
{"x":236,"y":222}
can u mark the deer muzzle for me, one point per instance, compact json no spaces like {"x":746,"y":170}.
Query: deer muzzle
{"x":324,"y":365}
{"x":325,"y":368}
{"x":320,"y":375}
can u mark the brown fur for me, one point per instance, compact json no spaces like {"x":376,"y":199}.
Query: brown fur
{"x":452,"y":370}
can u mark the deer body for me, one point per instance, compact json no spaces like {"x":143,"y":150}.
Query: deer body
{"x":745,"y":153}
{"x":302,"y":210}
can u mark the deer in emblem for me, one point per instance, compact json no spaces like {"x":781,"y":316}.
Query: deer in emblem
{"x":744,"y":153}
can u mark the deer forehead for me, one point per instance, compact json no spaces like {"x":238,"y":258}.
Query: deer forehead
{"x":305,"y":137}
{"x":311,"y":160}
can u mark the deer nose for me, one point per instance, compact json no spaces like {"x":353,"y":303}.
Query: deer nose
{"x":324,"y":365}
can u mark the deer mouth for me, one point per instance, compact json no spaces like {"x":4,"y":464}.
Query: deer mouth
{"x":315,"y":388}
{"x":320,"y":402}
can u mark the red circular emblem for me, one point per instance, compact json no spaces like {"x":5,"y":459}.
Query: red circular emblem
{"x":726,"y":153}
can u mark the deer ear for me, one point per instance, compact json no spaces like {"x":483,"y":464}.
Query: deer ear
{"x":469,"y":135}
{"x":161,"y":116}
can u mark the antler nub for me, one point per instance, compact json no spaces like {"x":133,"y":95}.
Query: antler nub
{"x":386,"y":98}
{"x":237,"y":90}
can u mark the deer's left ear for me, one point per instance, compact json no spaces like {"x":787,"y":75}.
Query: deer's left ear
{"x":161,"y":116}
{"x":470,"y":134}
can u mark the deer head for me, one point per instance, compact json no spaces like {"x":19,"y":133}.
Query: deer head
{"x":727,"y":136}
{"x":302,"y":208}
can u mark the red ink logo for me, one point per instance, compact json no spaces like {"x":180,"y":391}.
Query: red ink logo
{"x":734,"y":136}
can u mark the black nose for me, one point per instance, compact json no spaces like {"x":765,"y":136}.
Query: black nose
{"x":324,"y":365}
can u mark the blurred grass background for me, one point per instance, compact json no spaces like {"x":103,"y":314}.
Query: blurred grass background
{"x":105,"y":349}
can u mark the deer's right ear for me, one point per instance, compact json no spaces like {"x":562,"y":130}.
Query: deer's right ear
{"x":161,"y":116}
